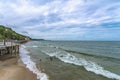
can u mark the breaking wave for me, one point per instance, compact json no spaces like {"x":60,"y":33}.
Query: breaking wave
{"x":30,"y":64}
{"x":88,"y":65}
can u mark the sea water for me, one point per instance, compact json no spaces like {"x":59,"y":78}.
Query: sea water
{"x":73,"y":60}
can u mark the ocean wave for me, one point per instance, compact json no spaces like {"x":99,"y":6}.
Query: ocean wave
{"x":88,"y":65}
{"x":91,"y":55}
{"x":34,"y":46}
{"x":30,"y":64}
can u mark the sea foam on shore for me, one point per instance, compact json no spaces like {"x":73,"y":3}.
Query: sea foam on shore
{"x":30,"y":64}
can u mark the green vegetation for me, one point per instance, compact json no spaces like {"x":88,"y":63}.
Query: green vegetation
{"x":8,"y":33}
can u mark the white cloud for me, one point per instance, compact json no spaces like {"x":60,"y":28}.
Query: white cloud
{"x":55,"y":18}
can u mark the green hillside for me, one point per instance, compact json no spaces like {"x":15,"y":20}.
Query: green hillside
{"x":8,"y":33}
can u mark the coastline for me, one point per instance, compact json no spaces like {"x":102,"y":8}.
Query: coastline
{"x":11,"y":68}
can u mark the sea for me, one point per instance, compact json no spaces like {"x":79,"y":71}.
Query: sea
{"x":72,"y":60}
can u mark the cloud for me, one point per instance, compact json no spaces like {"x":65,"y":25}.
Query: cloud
{"x":62,"y":19}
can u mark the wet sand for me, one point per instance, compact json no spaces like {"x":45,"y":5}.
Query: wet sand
{"x":11,"y":69}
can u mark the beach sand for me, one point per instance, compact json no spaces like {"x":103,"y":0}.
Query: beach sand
{"x":11,"y":69}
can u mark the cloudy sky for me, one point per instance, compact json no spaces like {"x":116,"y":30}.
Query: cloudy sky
{"x":63,"y":19}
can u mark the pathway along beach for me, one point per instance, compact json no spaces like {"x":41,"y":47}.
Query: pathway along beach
{"x":11,"y":68}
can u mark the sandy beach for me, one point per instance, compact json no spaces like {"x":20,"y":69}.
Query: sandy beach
{"x":12,"y":69}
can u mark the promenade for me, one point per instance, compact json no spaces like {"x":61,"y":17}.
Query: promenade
{"x":9,"y":48}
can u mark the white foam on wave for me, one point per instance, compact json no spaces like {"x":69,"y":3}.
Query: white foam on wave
{"x":34,"y":46}
{"x":88,"y":65}
{"x":30,"y":64}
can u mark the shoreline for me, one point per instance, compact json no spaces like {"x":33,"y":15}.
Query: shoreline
{"x":12,"y":68}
